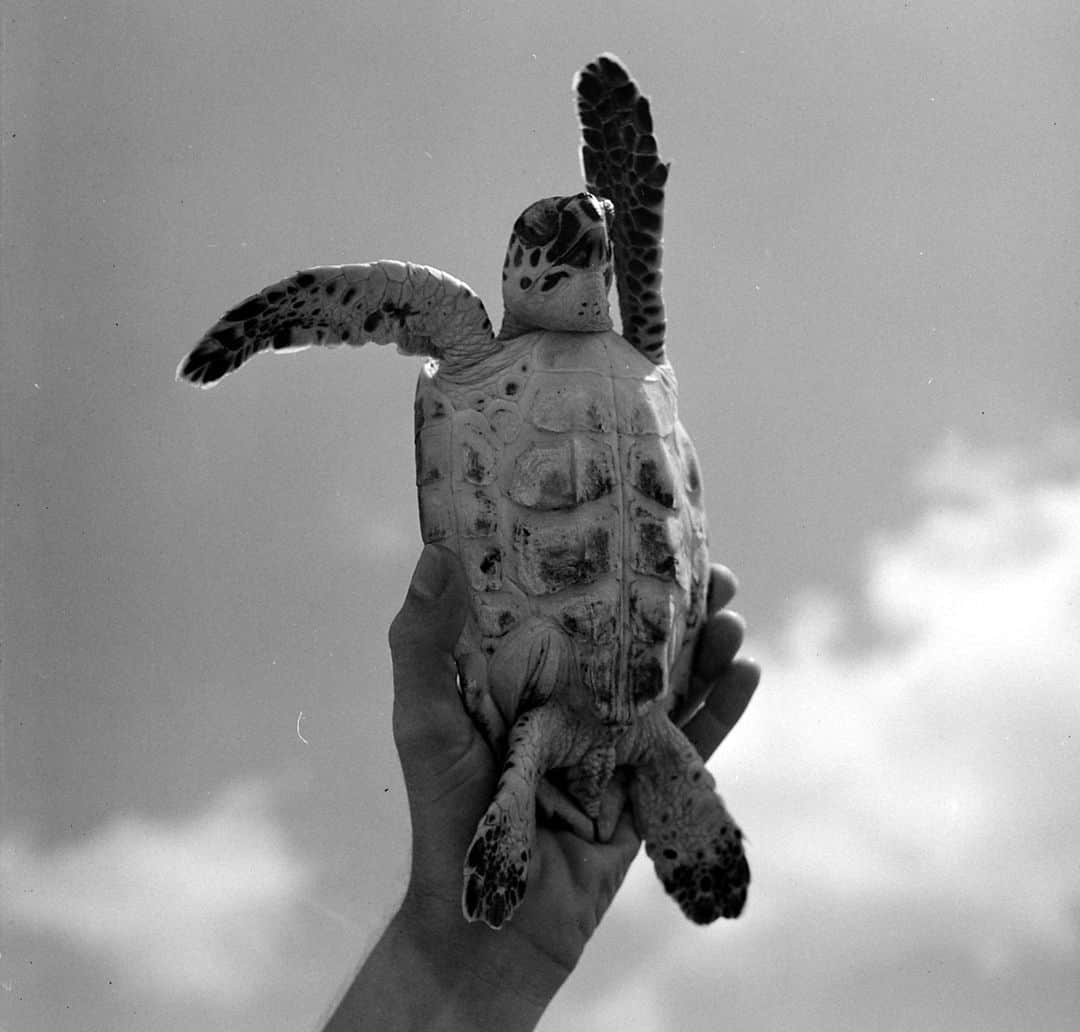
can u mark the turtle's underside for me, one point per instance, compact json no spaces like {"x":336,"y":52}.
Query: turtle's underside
{"x":550,"y":459}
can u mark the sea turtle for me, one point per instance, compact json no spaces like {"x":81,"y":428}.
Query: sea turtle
{"x":550,"y":459}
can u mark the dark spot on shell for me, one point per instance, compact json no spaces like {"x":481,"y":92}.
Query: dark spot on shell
{"x":371,"y":323}
{"x":475,"y":469}
{"x":526,"y":282}
{"x":305,"y":279}
{"x":656,"y":555}
{"x":646,"y":680}
{"x":348,"y":295}
{"x":650,"y":483}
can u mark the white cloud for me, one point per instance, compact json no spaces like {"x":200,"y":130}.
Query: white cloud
{"x":189,"y":909}
{"x":915,"y":796}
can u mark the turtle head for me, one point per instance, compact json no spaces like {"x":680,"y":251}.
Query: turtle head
{"x":558,"y":269}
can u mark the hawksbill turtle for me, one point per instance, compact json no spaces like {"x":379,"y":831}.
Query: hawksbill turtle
{"x":550,"y":459}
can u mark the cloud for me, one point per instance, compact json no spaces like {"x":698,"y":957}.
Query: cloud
{"x":191,"y":909}
{"x":910,"y":795}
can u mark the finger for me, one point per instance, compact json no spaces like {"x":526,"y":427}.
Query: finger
{"x":721,"y":638}
{"x":422,"y":639}
{"x":722,"y":587}
{"x":726,"y":703}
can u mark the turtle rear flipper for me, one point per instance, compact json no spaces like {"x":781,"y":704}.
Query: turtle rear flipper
{"x":690,"y":837}
{"x":497,"y":862}
{"x":422,"y":310}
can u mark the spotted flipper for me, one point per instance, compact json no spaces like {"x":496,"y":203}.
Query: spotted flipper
{"x":695,"y":846}
{"x":498,"y":860}
{"x":421,"y":310}
{"x":620,"y":161}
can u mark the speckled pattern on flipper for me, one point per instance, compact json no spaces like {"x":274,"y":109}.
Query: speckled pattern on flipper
{"x":621,"y":162}
{"x":691,"y":839}
{"x":423,"y":311}
{"x":550,"y":459}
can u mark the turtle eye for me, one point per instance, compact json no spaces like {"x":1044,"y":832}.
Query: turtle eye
{"x":581,"y":255}
{"x":538,"y":223}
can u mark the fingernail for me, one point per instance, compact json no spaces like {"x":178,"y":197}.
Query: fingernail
{"x":430,"y":575}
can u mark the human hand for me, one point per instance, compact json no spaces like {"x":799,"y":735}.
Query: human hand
{"x":451,"y":773}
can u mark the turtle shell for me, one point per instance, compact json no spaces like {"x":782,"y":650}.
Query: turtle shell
{"x":558,"y":471}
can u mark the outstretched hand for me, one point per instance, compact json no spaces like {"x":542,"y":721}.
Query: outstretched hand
{"x":451,"y":773}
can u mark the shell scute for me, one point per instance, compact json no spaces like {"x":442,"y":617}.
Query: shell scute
{"x":478,"y":514}
{"x":562,"y":473}
{"x":437,"y":522}
{"x":592,"y":616}
{"x":598,"y":672}
{"x":505,"y":420}
{"x":654,"y":471}
{"x":656,"y":546}
{"x":652,"y":611}
{"x":583,"y":401}
{"x":430,"y":407}
{"x":433,"y":457}
{"x":478,"y":448}
{"x":554,"y":556}
{"x":647,"y":405}
{"x":647,"y":671}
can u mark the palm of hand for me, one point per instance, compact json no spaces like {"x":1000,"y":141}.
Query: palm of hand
{"x":450,"y":773}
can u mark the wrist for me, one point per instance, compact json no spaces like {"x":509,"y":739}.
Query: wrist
{"x":427,"y":975}
{"x":514,"y":977}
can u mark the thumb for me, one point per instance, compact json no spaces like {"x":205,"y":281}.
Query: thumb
{"x":424,"y":633}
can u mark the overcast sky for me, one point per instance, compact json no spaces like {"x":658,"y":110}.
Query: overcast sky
{"x":871,"y":274}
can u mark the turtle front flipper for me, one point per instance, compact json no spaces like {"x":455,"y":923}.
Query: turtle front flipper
{"x":422,"y":310}
{"x":690,"y":837}
{"x":620,"y":162}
